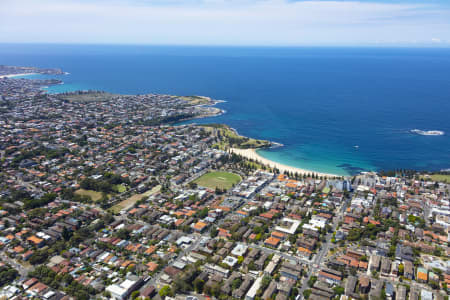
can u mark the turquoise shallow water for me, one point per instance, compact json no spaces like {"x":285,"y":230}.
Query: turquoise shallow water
{"x":318,"y":102}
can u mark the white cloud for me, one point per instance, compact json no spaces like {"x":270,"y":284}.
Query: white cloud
{"x":246,"y":22}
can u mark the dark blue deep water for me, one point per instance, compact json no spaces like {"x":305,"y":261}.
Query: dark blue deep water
{"x":318,"y":102}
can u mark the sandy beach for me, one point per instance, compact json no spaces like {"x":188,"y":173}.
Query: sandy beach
{"x":15,"y":75}
{"x":252,"y":154}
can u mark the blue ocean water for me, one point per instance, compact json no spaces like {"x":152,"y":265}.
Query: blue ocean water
{"x":318,"y":102}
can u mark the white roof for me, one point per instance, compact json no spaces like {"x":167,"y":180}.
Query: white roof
{"x":239,"y":250}
{"x":293,"y":226}
{"x":116,"y":290}
{"x":127,"y":284}
{"x":49,"y":294}
{"x":230,"y":260}
{"x":254,"y":289}
{"x":184,"y":240}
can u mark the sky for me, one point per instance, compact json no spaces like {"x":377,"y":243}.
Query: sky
{"x":228,"y":22}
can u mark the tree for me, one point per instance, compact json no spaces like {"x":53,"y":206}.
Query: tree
{"x":198,"y":285}
{"x":437,"y":252}
{"x":401,"y":269}
{"x":339,"y":290}
{"x":180,"y":284}
{"x":66,"y":234}
{"x":135,"y":294}
{"x":354,"y":234}
{"x":213,"y":233}
{"x":265,"y":282}
{"x":82,"y":295}
{"x":312,"y":280}
{"x":7,"y":275}
{"x":236,"y":283}
{"x":165,"y":291}
{"x":123,"y":233}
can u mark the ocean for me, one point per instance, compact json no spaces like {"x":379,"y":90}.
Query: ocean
{"x":335,"y":110}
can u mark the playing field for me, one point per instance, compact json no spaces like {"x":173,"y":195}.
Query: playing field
{"x":438,"y":177}
{"x":95,"y":196}
{"x":128,"y":203}
{"x":222,"y":180}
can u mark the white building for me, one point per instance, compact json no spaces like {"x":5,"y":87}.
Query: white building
{"x":289,"y":226}
{"x":239,"y":250}
{"x":251,"y":294}
{"x":123,"y":290}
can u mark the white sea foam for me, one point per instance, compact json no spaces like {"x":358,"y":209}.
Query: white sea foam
{"x":427,"y":132}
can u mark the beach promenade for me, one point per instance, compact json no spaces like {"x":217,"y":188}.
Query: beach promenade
{"x":252,"y":154}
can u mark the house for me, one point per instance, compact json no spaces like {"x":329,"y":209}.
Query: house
{"x":290,"y":271}
{"x":271,"y":289}
{"x":304,"y":252}
{"x":354,"y":254}
{"x":422,"y":275}
{"x":215,"y":269}
{"x":38,"y":289}
{"x":239,"y":250}
{"x":271,"y":266}
{"x":408,"y":270}
{"x":259,"y":263}
{"x":401,"y":292}
{"x":29,"y":283}
{"x":148,"y":292}
{"x":389,"y":290}
{"x":242,"y":290}
{"x":364,"y":284}
{"x":404,"y":253}
{"x":385,"y":266}
{"x":426,"y":295}
{"x":125,"y":288}
{"x":251,"y":294}
{"x":227,"y":286}
{"x":350,"y":285}
{"x":331,"y":276}
{"x":38,"y":242}
{"x":374,"y":263}
{"x":199,"y":226}
{"x":322,"y":290}
{"x":272,"y":242}
{"x":307,"y":243}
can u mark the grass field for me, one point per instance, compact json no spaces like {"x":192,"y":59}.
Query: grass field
{"x":326,"y":190}
{"x":87,"y":97}
{"x":128,"y":203}
{"x":222,"y":180}
{"x":229,"y":138}
{"x":120,"y":188}
{"x":437,"y":177}
{"x":197,"y":100}
{"x":95,"y":196}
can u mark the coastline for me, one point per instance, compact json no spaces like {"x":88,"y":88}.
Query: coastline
{"x":252,"y":154}
{"x":17,"y":75}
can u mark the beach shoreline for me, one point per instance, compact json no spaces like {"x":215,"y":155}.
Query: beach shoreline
{"x":16,"y":75}
{"x":252,"y":154}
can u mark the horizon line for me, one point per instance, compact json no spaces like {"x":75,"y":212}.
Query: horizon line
{"x":366,"y":45}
